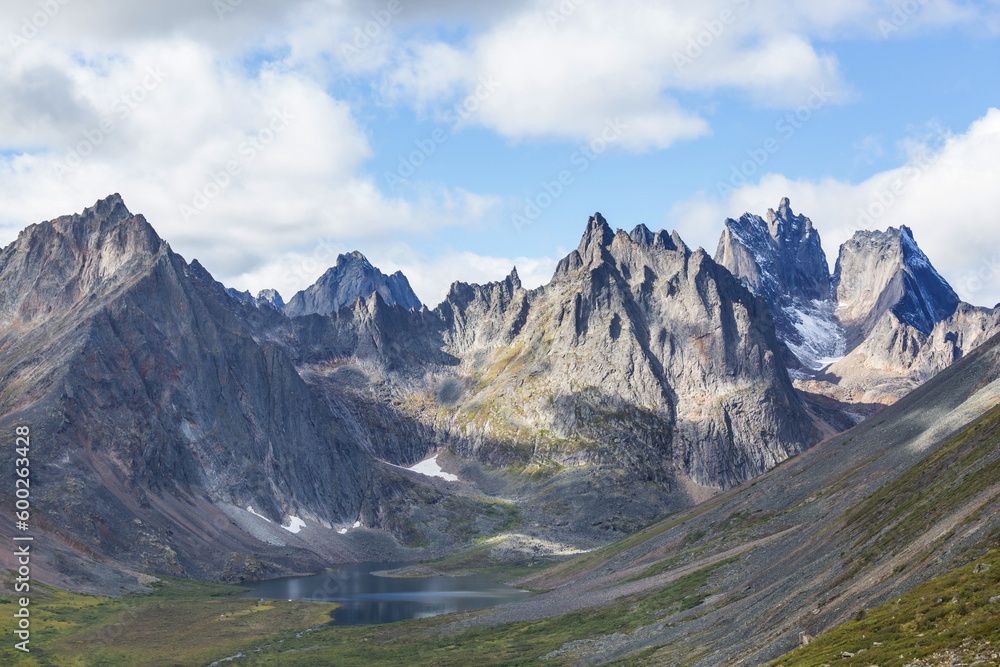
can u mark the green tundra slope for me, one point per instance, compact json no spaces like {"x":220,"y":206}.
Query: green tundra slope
{"x":950,"y":617}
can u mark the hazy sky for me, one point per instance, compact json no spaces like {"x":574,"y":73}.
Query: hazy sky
{"x":453,"y":141}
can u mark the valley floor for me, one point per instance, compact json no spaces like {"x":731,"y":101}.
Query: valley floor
{"x":950,"y":620}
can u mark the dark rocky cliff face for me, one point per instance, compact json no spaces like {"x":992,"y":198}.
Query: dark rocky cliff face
{"x":351,"y":279}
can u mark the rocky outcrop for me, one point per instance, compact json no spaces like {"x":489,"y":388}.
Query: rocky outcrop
{"x":351,"y":279}
{"x":878,"y":272}
{"x":782,"y":259}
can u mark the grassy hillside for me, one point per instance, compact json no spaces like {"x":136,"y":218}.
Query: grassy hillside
{"x":948,"y":618}
{"x":177,"y":623}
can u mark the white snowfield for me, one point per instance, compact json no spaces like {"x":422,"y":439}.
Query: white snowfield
{"x":343,"y":531}
{"x":823,"y":339}
{"x":431,"y":468}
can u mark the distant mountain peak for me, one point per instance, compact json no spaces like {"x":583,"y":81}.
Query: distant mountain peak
{"x":782,"y":255}
{"x":881,"y":271}
{"x":271,"y":297}
{"x":351,"y":258}
{"x":352,"y":278}
{"x":782,"y":259}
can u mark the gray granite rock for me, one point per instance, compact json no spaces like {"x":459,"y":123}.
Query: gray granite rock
{"x":351,"y":279}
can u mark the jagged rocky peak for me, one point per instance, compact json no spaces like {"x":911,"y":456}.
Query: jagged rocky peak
{"x":351,"y":279}
{"x":272,"y":298}
{"x":661,"y":239}
{"x":107,"y":226}
{"x":601,"y":243}
{"x":597,"y":237}
{"x":878,"y":272}
{"x":243,"y":297}
{"x":56,"y":263}
{"x":782,"y":259}
{"x":484,"y":316}
{"x":514,"y":279}
{"x":780,"y":255}
{"x":461,"y":293}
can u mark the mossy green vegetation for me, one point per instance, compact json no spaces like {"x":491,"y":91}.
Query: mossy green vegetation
{"x":178,"y":622}
{"x":934,"y":488}
{"x":942,"y":614}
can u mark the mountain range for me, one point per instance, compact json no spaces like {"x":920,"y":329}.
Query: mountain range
{"x":185,"y":428}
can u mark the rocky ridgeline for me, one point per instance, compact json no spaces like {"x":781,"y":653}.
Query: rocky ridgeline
{"x":639,"y":354}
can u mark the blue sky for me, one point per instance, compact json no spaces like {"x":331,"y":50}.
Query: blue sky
{"x":901,"y":93}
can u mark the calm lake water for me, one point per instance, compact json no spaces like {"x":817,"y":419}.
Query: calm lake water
{"x":366,"y":599}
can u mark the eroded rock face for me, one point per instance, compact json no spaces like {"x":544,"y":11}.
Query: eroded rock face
{"x":878,"y":272}
{"x":782,"y":260}
{"x":351,"y":279}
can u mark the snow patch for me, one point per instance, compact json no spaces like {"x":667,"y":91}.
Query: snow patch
{"x":431,"y":468}
{"x":250,"y":509}
{"x":344,"y":531}
{"x":823,"y":339}
{"x":295,"y":525}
